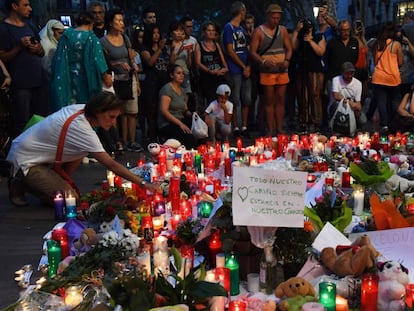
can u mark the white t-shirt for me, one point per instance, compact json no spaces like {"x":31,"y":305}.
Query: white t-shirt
{"x":215,"y":109}
{"x":38,"y":144}
{"x":352,"y":90}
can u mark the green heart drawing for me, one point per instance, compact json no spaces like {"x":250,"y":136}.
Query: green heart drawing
{"x":243,"y":193}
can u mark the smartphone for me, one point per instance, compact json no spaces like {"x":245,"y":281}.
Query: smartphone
{"x":358,"y":25}
{"x":32,"y":40}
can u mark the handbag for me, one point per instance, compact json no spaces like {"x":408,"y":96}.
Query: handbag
{"x":123,"y":89}
{"x":343,"y":120}
{"x":199,"y":128}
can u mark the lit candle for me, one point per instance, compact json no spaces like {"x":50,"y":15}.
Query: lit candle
{"x":73,"y":296}
{"x":346,"y":179}
{"x":409,"y":296}
{"x":233,"y":265}
{"x":227,"y":167}
{"x":147,"y":228}
{"x":175,"y":220}
{"x":160,"y":243}
{"x":60,"y":235}
{"x":185,"y":209}
{"x":369,"y":292}
{"x":223,"y":276}
{"x":358,"y":201}
{"x":341,"y":303}
{"x":327,"y":295}
{"x":70,"y":201}
{"x":158,"y":222}
{"x":110,"y":177}
{"x":239,"y":144}
{"x":204,"y":209}
{"x":59,"y":203}
{"x":118,"y":181}
{"x":144,"y":260}
{"x":197,"y":163}
{"x":237,"y":305}
{"x":54,"y":256}
{"x":214,"y":246}
{"x":159,"y":208}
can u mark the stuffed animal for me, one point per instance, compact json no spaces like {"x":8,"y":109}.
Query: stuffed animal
{"x":391,"y":288}
{"x":85,"y":242}
{"x":295,"y":303}
{"x":295,"y":286}
{"x":350,"y":260}
{"x":170,"y":146}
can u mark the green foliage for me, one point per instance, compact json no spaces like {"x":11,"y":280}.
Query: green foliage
{"x":370,"y":172}
{"x":293,"y":244}
{"x":188,"y":230}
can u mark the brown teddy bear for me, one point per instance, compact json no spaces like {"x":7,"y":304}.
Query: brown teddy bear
{"x":350,"y":260}
{"x":295,"y":286}
{"x":86,"y":241}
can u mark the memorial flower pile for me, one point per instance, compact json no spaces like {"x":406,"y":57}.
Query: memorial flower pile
{"x":330,"y":207}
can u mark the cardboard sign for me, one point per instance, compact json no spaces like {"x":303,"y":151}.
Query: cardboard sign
{"x":268,"y":198}
{"x":393,"y":244}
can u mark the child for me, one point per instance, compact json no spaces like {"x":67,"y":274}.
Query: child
{"x":219,"y":114}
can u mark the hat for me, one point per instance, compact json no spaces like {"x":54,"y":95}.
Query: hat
{"x":223,"y":89}
{"x":348,"y":67}
{"x":274,"y":8}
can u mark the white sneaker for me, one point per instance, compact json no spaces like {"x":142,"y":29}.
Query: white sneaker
{"x":85,"y":160}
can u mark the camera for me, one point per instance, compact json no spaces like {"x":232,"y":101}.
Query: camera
{"x":32,"y":40}
{"x":321,"y":3}
{"x":307,"y":25}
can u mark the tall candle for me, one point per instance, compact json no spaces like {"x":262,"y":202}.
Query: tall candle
{"x":341,"y":303}
{"x":358,"y":201}
{"x":223,"y":276}
{"x":54,"y":257}
{"x":70,"y":201}
{"x":409,"y":296}
{"x":233,"y":265}
{"x":144,"y":260}
{"x":59,"y":203}
{"x":60,"y":235}
{"x":369,"y":292}
{"x":237,"y":305}
{"x":73,"y":296}
{"x":327,"y":295}
{"x":110,"y":177}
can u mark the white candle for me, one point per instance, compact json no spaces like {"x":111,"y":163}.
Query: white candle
{"x":358,"y":201}
{"x":144,"y":260}
{"x":160,"y":243}
{"x":70,"y":199}
{"x":161,"y":262}
{"x":110,"y":176}
{"x":73,"y":297}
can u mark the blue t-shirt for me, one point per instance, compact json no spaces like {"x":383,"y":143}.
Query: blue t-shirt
{"x":236,"y":36}
{"x":25,"y":68}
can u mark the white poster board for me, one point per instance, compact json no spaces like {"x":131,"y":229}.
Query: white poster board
{"x":268,"y":198}
{"x":393,"y":244}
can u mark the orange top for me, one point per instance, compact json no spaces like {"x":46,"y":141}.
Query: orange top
{"x":386,"y":70}
{"x":361,"y":62}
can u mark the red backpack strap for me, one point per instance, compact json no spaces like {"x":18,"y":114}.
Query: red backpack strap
{"x":59,"y":152}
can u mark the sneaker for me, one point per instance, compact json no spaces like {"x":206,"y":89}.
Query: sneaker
{"x":245,"y":133}
{"x":236,"y":134}
{"x":120,"y":147}
{"x":16,"y":192}
{"x":135,"y":147}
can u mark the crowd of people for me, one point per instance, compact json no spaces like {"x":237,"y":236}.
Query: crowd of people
{"x":233,"y":76}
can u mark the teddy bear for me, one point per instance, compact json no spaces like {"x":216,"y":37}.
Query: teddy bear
{"x":350,"y":260}
{"x":393,"y":278}
{"x":170,"y":146}
{"x":294,"y":286}
{"x":86,"y":241}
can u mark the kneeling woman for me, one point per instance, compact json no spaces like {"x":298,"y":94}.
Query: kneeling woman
{"x":45,"y":155}
{"x":175,"y":119}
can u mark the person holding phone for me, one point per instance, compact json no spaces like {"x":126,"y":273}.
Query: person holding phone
{"x":361,"y":65}
{"x":21,"y":52}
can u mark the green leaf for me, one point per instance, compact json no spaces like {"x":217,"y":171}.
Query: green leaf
{"x":203,"y":289}
{"x":343,"y":221}
{"x":366,"y":179}
{"x":178,"y":260}
{"x":314,"y":217}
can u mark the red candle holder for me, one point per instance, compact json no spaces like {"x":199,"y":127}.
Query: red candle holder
{"x":346,"y":180}
{"x":185,"y":209}
{"x":237,"y":305}
{"x":409,"y":295}
{"x":369,"y":292}
{"x":175,"y":220}
{"x":214,"y":246}
{"x":60,"y":235}
{"x":227,"y":167}
{"x":118,"y":181}
{"x":222,"y":275}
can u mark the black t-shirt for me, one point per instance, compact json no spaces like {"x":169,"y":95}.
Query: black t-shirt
{"x":158,"y":72}
{"x":337,"y":54}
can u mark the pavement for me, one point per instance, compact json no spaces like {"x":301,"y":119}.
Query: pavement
{"x":22,"y":228}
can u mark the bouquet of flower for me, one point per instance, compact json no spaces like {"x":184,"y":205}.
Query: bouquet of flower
{"x":188,"y":230}
{"x":330,"y":206}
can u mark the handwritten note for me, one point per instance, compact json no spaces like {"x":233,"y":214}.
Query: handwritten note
{"x":268,"y":198}
{"x":393,"y":244}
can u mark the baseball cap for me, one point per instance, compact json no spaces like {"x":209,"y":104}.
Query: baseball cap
{"x":274,"y":8}
{"x":223,"y":89}
{"x":348,"y":67}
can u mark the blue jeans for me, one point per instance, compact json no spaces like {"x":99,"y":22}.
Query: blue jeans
{"x":387,"y":99}
{"x":241,"y":90}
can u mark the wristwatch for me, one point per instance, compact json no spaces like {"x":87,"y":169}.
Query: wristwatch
{"x":143,"y":183}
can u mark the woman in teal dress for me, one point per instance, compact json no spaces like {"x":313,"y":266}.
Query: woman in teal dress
{"x":79,"y":67}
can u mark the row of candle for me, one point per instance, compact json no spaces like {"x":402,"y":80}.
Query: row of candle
{"x":65,"y":205}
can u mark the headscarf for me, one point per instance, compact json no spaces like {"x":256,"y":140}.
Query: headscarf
{"x":47,"y":34}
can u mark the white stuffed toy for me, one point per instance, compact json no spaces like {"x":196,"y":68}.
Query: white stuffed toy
{"x":391,"y":288}
{"x":170,"y":146}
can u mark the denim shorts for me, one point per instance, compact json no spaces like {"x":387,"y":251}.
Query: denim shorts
{"x":241,"y":90}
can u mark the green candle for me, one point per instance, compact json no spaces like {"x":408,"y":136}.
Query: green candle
{"x":204,"y":209}
{"x":327,"y":295}
{"x":197,"y":163}
{"x":54,"y":255}
{"x":233,"y":265}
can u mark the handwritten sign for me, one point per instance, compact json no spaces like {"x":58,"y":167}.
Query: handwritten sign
{"x":268,"y":198}
{"x":393,"y":244}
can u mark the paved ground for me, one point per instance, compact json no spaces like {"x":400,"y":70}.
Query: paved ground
{"x":22,"y":229}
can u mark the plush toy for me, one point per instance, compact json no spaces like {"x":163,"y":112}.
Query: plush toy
{"x":294,"y":286}
{"x":170,"y":146}
{"x":85,"y":242}
{"x":350,"y":260}
{"x":295,"y":303}
{"x":391,"y":288}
